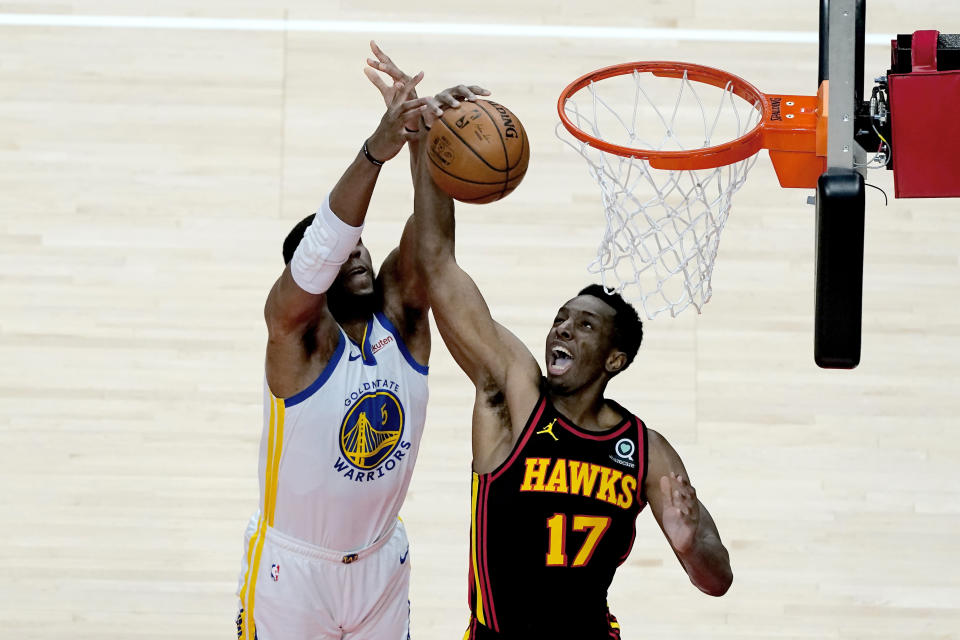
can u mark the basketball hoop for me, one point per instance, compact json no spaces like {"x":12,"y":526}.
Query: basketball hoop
{"x":669,"y":143}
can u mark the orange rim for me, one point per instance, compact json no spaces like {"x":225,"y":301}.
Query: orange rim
{"x":705,"y":158}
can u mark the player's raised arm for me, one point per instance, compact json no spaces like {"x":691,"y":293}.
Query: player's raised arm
{"x":685,"y":522}
{"x":486,"y":351}
{"x":335,"y":231}
{"x":295,"y":301}
{"x":405,"y":295}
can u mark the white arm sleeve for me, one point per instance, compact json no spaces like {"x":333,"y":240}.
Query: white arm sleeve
{"x":326,"y":245}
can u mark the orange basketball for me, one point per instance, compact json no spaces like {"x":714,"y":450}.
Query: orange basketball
{"x":478,"y":152}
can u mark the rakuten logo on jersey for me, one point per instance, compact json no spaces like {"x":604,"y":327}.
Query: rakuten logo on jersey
{"x":381,"y":344}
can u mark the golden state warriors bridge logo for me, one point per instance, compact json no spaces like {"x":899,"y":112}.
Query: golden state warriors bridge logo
{"x":371,"y":429}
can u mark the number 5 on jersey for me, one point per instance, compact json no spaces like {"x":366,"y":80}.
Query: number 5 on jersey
{"x":596,"y":526}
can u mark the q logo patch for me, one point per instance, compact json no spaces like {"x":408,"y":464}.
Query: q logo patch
{"x":371,"y":429}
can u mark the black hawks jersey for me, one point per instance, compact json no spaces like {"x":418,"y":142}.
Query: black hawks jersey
{"x":551,"y":525}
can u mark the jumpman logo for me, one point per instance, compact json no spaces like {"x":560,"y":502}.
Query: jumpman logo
{"x":549,"y":430}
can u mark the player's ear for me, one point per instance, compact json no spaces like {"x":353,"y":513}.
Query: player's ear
{"x":616,"y":361}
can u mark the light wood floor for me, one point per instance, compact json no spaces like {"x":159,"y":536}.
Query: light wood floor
{"x":147,"y":178}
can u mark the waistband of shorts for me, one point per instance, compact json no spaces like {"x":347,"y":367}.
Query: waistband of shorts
{"x":313,"y":551}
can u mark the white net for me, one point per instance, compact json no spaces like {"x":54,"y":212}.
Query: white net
{"x":663,"y":227}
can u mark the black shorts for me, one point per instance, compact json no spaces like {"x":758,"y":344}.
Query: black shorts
{"x":477,"y":631}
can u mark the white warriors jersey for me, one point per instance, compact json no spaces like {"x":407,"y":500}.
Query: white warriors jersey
{"x":336,"y":458}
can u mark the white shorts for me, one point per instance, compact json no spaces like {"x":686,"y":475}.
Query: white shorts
{"x":304,"y":592}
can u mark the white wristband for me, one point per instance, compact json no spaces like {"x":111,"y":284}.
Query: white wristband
{"x":326,"y":245}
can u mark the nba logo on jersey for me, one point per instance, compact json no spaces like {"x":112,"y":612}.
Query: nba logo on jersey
{"x":275,"y":572}
{"x":371,"y":429}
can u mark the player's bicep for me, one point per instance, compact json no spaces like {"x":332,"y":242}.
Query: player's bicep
{"x":663,"y":460}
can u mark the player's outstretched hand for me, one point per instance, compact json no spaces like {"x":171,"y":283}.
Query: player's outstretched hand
{"x":384,"y":64}
{"x":681,"y":511}
{"x":450,"y":99}
{"x":391,"y":135}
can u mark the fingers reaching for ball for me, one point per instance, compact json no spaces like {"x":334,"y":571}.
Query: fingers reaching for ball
{"x":451,"y":99}
{"x":384,"y":64}
{"x":406,"y":106}
{"x":401,"y":117}
{"x":405,"y":90}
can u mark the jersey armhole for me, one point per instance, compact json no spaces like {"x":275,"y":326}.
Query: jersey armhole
{"x":644,"y":462}
{"x":535,"y":414}
{"x":416,"y":366}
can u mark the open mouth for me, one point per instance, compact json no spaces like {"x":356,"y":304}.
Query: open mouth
{"x":560,"y":361}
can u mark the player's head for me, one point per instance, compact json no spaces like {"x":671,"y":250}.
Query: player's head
{"x":356,"y":278}
{"x":595,"y":335}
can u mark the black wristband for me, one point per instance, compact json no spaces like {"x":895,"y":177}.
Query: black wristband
{"x":409,"y":130}
{"x":373,"y":161}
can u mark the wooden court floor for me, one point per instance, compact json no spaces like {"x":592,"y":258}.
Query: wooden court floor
{"x":147,"y":178}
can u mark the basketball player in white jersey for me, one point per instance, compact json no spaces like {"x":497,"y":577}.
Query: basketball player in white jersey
{"x":345,"y":396}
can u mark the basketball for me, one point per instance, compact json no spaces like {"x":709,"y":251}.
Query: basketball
{"x":478,"y":152}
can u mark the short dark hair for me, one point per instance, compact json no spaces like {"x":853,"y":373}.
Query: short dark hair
{"x":292,"y":241}
{"x":627,"y":328}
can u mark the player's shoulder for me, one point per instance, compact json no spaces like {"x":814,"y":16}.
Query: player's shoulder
{"x":656,"y":441}
{"x":654,"y":436}
{"x":661,"y":453}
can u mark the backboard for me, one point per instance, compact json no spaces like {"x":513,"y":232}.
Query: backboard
{"x":840,"y":200}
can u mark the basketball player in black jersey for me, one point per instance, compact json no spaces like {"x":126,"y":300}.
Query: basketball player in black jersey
{"x":560,"y":473}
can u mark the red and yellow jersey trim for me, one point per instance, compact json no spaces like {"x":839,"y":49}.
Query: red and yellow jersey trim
{"x":482,"y":599}
{"x":481,"y":596}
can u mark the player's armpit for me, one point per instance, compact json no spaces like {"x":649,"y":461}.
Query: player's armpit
{"x":503,"y":406}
